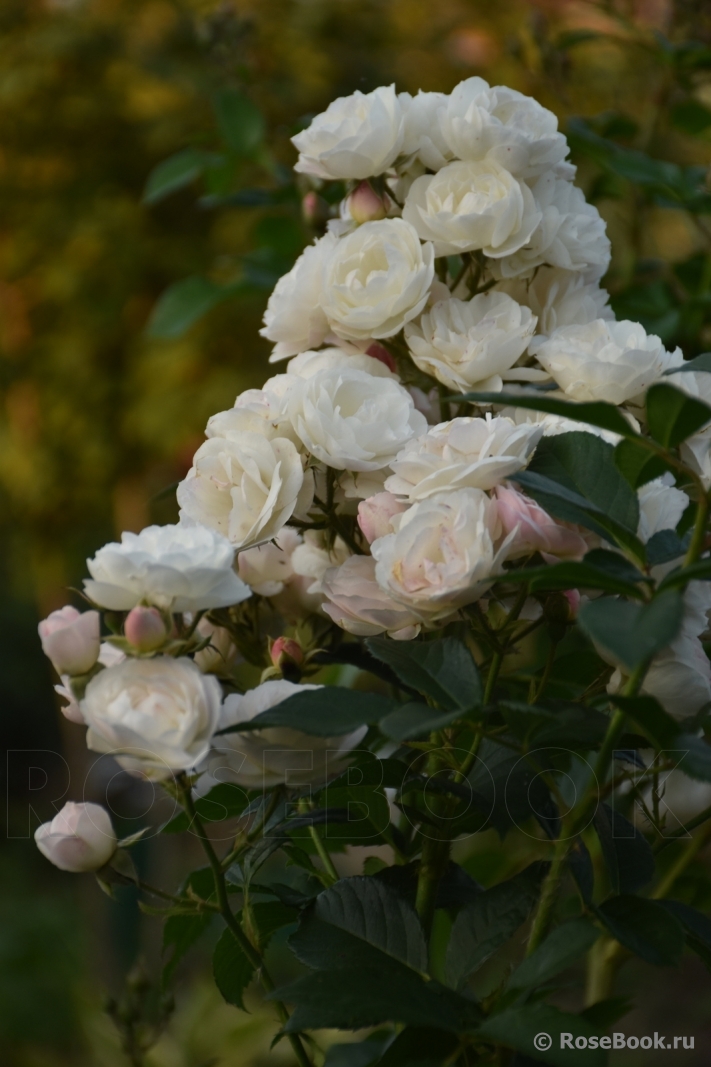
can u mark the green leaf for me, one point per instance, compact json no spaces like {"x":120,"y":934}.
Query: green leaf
{"x":517,"y":1027}
{"x":364,"y":814}
{"x":355,"y":1053}
{"x":443,"y":670}
{"x":488,"y":922}
{"x":415,"y":720}
{"x":241,"y":123}
{"x":597,"y":413}
{"x":699,"y":571}
{"x":224,"y":801}
{"x":637,"y":464}
{"x":231,"y":969}
{"x":665,"y":546}
{"x":606,"y":1012}
{"x":672,"y":416}
{"x":370,"y":912}
{"x":327,"y":712}
{"x":649,"y":714}
{"x":627,"y":855}
{"x":177,"y":172}
{"x":579,"y":575}
{"x":696,"y":925}
{"x":645,"y":928}
{"x":561,"y":949}
{"x":183,"y":303}
{"x":180,"y":933}
{"x":633,"y":633}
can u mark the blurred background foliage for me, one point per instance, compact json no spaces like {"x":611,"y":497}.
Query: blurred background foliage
{"x":131,"y":292}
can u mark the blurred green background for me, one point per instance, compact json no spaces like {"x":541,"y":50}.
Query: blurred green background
{"x":126,"y":320}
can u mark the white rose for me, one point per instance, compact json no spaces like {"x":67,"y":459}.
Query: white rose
{"x":613,"y":361}
{"x":70,"y":639}
{"x":314,"y":557}
{"x":307,"y":364}
{"x":570,"y":234}
{"x":559,"y":298}
{"x":356,"y":603}
{"x":357,"y":136}
{"x":696,"y":450}
{"x":502,"y":124}
{"x":377,"y":279}
{"x":79,"y":838}
{"x":465,"y":343}
{"x":375,"y":515}
{"x":424,"y":140}
{"x":679,"y":677}
{"x":553,"y":425}
{"x":267,"y":568}
{"x":442,"y":554}
{"x":177,"y":568}
{"x":255,"y":411}
{"x":470,"y":206}
{"x":257,"y":759}
{"x":351,"y":420}
{"x":155,"y":715}
{"x":245,"y":486}
{"x":294,"y":320}
{"x":464,"y":453}
{"x":661,"y":506}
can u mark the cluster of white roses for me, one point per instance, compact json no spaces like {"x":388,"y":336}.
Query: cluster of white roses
{"x":355,"y":484}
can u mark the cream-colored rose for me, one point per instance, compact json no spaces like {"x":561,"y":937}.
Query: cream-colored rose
{"x":376,"y":280}
{"x":70,"y":639}
{"x":468,"y":343}
{"x":80,"y":838}
{"x":255,"y":411}
{"x":570,"y":234}
{"x":559,"y":298}
{"x":470,"y":206}
{"x":501,"y":124}
{"x":375,"y":515}
{"x":156,"y":716}
{"x":424,"y":141}
{"x":613,"y":361}
{"x":315,"y":556}
{"x":294,"y":320}
{"x":351,"y":420}
{"x":267,"y":568}
{"x":357,"y":136}
{"x":475,"y":453}
{"x":245,"y":486}
{"x":356,"y":603}
{"x":442,"y":555}
{"x":257,"y":759}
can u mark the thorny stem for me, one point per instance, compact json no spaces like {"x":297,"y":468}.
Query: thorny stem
{"x":247,"y":947}
{"x":435,"y":856}
{"x":702,"y":817}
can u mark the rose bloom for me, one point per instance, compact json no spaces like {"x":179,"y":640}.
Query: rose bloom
{"x":613,"y":361}
{"x":255,"y":411}
{"x":375,"y":515}
{"x":570,"y":234}
{"x":534,"y":530}
{"x":466,"y":452}
{"x":245,"y":486}
{"x":267,"y":568}
{"x":156,"y":716}
{"x":661,"y":506}
{"x":377,"y":279}
{"x":356,"y":603}
{"x":501,"y":124}
{"x":470,"y":206}
{"x":80,"y":838}
{"x":70,"y":639}
{"x":258,"y":759}
{"x":109,"y":656}
{"x":559,"y":298}
{"x":351,"y":420}
{"x":294,"y":320}
{"x":177,"y":568}
{"x":357,"y":136}
{"x":467,"y":343}
{"x":442,"y":555}
{"x":423,"y":139}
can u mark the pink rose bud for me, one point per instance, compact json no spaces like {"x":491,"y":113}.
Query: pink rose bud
{"x":144,"y":628}
{"x":375,"y":515}
{"x":535,"y":530}
{"x":79,"y":838}
{"x":286,"y":650}
{"x":71,"y":640}
{"x":365,"y":205}
{"x":573,"y":598}
{"x":380,"y":352}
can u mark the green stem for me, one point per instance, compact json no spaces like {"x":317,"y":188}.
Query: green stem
{"x":494,"y":668}
{"x":537,"y":691}
{"x":702,"y":817}
{"x":324,"y":855}
{"x":549,"y":893}
{"x":435,"y":856}
{"x":244,"y":943}
{"x":690,"y":852}
{"x":698,"y":538}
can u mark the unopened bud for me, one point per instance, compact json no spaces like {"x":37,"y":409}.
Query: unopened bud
{"x":286,"y":652}
{"x":365,"y":205}
{"x":145,"y":629}
{"x":381,"y":353}
{"x":573,"y":598}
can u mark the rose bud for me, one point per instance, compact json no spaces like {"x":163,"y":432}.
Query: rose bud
{"x":145,"y":628}
{"x":535,"y":530}
{"x":286,"y":652}
{"x":573,"y":598}
{"x":375,"y":513}
{"x":79,"y":838}
{"x":71,"y":640}
{"x":365,"y":205}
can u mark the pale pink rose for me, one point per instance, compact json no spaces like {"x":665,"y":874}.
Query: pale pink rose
{"x":144,"y":628}
{"x":359,"y":606}
{"x":535,"y":530}
{"x":71,"y":639}
{"x":375,"y":513}
{"x":79,"y":838}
